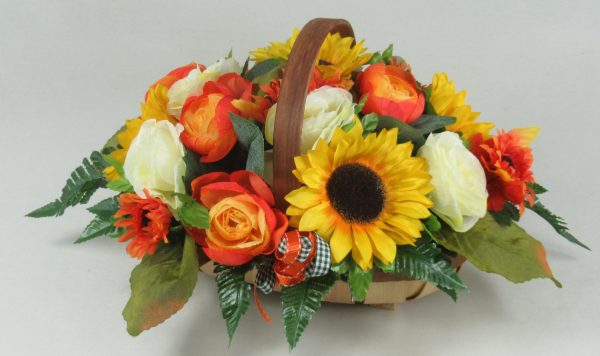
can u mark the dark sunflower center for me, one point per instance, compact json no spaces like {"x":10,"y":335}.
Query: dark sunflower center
{"x":356,"y":192}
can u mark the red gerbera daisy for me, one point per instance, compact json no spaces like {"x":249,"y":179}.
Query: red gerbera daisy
{"x":506,"y":160}
{"x":146,"y":221}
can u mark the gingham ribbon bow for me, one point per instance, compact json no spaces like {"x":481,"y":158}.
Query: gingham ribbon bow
{"x":299,"y":255}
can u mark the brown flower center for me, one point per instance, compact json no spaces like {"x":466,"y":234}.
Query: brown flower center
{"x":356,"y":192}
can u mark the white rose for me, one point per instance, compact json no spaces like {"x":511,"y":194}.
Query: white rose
{"x":193,"y":83}
{"x":460,"y":195}
{"x":155,"y":161}
{"x":326,"y":109}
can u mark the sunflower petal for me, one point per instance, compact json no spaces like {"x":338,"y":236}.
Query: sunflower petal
{"x":362,"y":253}
{"x":384,"y":247}
{"x":340,"y":243}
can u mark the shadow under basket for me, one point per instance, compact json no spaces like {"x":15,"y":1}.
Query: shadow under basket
{"x":386,"y":291}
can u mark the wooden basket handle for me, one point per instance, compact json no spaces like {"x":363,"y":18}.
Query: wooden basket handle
{"x":292,"y":98}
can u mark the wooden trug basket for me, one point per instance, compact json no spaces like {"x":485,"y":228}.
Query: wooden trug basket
{"x":386,"y":290}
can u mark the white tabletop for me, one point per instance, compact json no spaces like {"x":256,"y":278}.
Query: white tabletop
{"x":72,"y":71}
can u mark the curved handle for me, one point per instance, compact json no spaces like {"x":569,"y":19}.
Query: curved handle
{"x":292,"y":97}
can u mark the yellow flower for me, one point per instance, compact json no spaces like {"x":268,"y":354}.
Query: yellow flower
{"x":124,"y":138}
{"x":447,"y":102}
{"x":363,"y":195}
{"x":338,"y":55}
{"x":155,"y":105}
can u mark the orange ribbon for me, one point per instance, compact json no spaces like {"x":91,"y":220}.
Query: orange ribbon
{"x":288,"y":269}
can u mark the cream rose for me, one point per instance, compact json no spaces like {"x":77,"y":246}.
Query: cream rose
{"x":193,"y":83}
{"x":155,"y":161}
{"x":326,"y":109}
{"x":460,"y":195}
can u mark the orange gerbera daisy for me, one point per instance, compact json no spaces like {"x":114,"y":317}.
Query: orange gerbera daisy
{"x":506,"y":159}
{"x":146,"y":221}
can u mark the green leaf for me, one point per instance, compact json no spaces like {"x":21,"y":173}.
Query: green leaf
{"x":263,"y":72}
{"x":100,"y":226}
{"x":252,"y":141}
{"x":234,"y":296}
{"x":341,"y":268}
{"x":113,"y":143}
{"x":425,"y":262}
{"x":429,"y":109}
{"x":506,"y":250}
{"x":432,"y":223}
{"x":509,"y":214}
{"x":106,"y":208}
{"x":120,"y":185}
{"x":161,"y":285}
{"x":557,"y":223}
{"x":83,"y":183}
{"x":388,"y":53}
{"x":369,"y":123}
{"x":406,"y":132}
{"x":300,"y":302}
{"x":116,"y":164}
{"x":359,"y":281}
{"x":193,"y":214}
{"x":358,"y":107}
{"x":427,"y":124}
{"x":537,"y":189}
{"x":385,"y":57}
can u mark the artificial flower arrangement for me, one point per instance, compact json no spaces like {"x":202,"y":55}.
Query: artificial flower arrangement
{"x":390,"y":176}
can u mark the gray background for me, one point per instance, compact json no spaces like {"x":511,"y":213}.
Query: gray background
{"x":72,"y":71}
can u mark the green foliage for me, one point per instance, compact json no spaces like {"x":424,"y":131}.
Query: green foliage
{"x":252,"y":141}
{"x":359,"y":281}
{"x":369,"y":123}
{"x":537,"y":189}
{"x":161,"y":285}
{"x":116,"y":164}
{"x":265,"y":71}
{"x":557,"y":223}
{"x":425,"y":262}
{"x":406,"y":132}
{"x":427,"y":124}
{"x":383,"y":57}
{"x":103,"y":222}
{"x":509,"y":214}
{"x":234,"y":296}
{"x":506,"y":250}
{"x":361,"y":104}
{"x":191,"y":213}
{"x":429,"y":110}
{"x":83,"y":183}
{"x":121,"y":185}
{"x":300,"y":302}
{"x":341,"y":268}
{"x":432,"y":223}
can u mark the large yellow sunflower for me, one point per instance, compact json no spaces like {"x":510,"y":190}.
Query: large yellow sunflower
{"x":338,"y":55}
{"x":364,"y":195}
{"x":447,"y":102}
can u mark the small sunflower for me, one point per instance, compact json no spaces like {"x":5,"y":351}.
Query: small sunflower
{"x":338,"y":55}
{"x":447,"y":102}
{"x":364,"y":195}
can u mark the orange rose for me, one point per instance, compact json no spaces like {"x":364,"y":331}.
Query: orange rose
{"x":178,"y":73}
{"x":392,"y":90}
{"x":243,"y":222}
{"x":207,"y":127}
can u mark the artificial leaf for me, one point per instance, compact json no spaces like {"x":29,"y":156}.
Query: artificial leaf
{"x":106,"y":208}
{"x":341,"y":268}
{"x":429,"y":109}
{"x":300,"y":302}
{"x":432,"y":223}
{"x":359,"y":281}
{"x":252,"y":141}
{"x":506,"y":250}
{"x":537,"y":188}
{"x":234,"y":296}
{"x":426,"y":262}
{"x":358,"y":107}
{"x":193,"y":214}
{"x":427,"y":124}
{"x":161,"y":284}
{"x":557,"y":223}
{"x":100,"y":226}
{"x":265,"y":71}
{"x":369,"y":123}
{"x":121,"y":185}
{"x":509,"y":214}
{"x":406,"y":132}
{"x":82,"y":184}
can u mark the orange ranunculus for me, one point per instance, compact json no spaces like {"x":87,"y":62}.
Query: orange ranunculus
{"x":146,"y":223}
{"x":506,"y":160}
{"x":243,"y":222}
{"x":392,"y":90}
{"x":207,"y":127}
{"x":235,"y":86}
